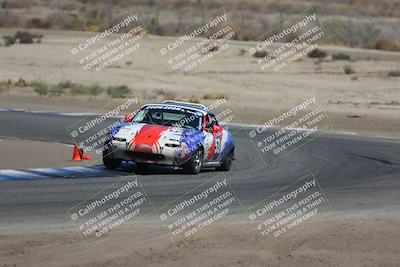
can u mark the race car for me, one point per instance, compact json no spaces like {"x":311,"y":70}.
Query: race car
{"x":171,"y":133}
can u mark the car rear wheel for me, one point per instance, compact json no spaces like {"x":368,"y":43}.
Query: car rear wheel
{"x":193,"y":166}
{"x":110,"y":162}
{"x":227,"y":162}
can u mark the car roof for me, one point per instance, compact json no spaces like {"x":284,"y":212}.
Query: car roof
{"x":192,"y":106}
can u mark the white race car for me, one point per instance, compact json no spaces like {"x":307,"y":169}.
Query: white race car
{"x":171,"y":133}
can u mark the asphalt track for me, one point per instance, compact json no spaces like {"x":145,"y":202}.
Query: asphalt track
{"x":358,"y":174}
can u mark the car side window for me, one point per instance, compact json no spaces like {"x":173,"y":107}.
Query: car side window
{"x":211,"y":122}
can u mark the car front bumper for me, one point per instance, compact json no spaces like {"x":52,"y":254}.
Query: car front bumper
{"x":172,"y":156}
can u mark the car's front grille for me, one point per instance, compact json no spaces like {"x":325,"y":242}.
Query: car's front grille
{"x":144,"y":156}
{"x":119,"y":139}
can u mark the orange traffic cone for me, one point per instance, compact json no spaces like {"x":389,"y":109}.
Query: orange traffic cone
{"x":76,"y":155}
{"x":84,"y":156}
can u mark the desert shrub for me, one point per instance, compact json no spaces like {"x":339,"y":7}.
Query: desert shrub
{"x":65,"y":85}
{"x":242,"y":51}
{"x":24,"y":37}
{"x":386,"y":44}
{"x":78,"y":90}
{"x":5,"y":85}
{"x":118,"y":91}
{"x":21,"y":83}
{"x":317,"y":53}
{"x":93,"y":89}
{"x":35,"y":23}
{"x":56,"y":91}
{"x":70,"y":5}
{"x":20,"y":4}
{"x":9,"y":40}
{"x":92,"y":27}
{"x":166,"y":94}
{"x":59,"y":88}
{"x":248,"y":33}
{"x":215,"y":96}
{"x":77,"y":25}
{"x":260,"y":54}
{"x":40,"y":87}
{"x":37,"y":35}
{"x":348,"y":69}
{"x":394,"y":73}
{"x":341,"y":56}
{"x":193,"y":99}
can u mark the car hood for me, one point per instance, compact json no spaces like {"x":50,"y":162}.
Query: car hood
{"x":148,"y":137}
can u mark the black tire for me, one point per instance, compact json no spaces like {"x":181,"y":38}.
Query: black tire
{"x":227,"y":162}
{"x":110,"y":162}
{"x":193,"y":165}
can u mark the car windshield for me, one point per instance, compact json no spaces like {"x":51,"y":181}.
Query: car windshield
{"x":169,"y":116}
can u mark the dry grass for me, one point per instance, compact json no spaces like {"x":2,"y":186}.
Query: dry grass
{"x":394,"y":73}
{"x":165,"y":94}
{"x":348,"y":69}
{"x":193,"y":99}
{"x":216,"y":96}
{"x":386,"y":44}
{"x":251,"y":17}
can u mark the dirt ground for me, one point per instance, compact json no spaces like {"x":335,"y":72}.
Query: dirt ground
{"x":323,"y":242}
{"x":20,"y":154}
{"x":367,"y":101}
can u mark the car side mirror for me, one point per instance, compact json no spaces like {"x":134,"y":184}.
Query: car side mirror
{"x":217,"y":129}
{"x":128,"y":118}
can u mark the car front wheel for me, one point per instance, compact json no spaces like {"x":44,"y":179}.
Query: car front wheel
{"x":110,"y":162}
{"x":193,"y":166}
